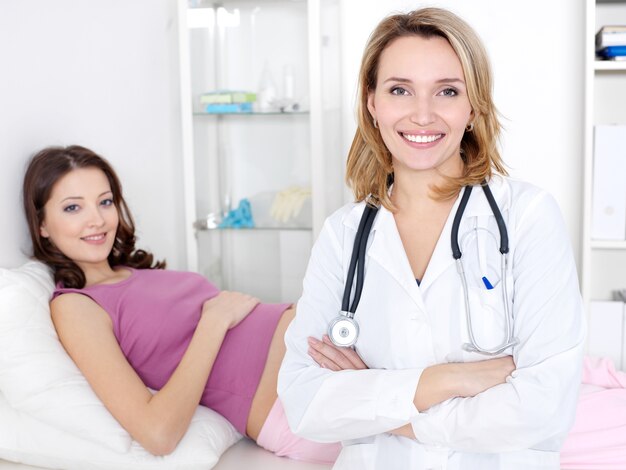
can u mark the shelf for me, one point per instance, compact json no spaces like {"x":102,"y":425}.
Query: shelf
{"x":199,"y":4}
{"x":201,"y":226}
{"x":240,"y":45}
{"x":253,"y":229}
{"x":609,"y":65}
{"x":273,"y":113}
{"x":608,"y":244}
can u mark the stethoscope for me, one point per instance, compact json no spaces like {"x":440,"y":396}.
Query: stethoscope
{"x":343,"y":330}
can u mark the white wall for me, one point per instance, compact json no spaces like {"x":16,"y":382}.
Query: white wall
{"x":536,"y":51}
{"x":103,"y":75}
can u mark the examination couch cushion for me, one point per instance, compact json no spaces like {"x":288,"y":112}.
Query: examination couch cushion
{"x":42,"y":385}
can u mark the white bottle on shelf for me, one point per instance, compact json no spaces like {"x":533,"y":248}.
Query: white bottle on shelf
{"x":288,"y":82}
{"x":266,"y":95}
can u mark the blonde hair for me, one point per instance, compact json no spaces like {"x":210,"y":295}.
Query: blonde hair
{"x":369,"y":168}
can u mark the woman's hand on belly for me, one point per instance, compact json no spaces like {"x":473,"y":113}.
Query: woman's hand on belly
{"x":229,"y":307}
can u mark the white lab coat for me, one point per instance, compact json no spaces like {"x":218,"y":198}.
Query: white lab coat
{"x":405,"y":327}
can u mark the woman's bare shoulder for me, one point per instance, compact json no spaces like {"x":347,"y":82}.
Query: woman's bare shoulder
{"x":78,"y":309}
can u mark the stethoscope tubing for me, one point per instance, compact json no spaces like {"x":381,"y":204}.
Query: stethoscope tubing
{"x":358,"y":262}
{"x":504,"y":235}
{"x":509,"y":341}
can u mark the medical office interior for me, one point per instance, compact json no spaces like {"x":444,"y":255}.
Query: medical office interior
{"x":237,"y":185}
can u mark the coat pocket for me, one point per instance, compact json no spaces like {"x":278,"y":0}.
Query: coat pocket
{"x":487,"y":317}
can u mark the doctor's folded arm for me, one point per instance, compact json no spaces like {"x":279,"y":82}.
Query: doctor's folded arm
{"x":474,"y":361}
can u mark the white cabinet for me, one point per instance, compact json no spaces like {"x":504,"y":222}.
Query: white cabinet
{"x":606,"y":330}
{"x":603,"y":261}
{"x":287,"y":52}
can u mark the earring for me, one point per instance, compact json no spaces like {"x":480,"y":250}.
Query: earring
{"x":470,"y":127}
{"x":375,"y":123}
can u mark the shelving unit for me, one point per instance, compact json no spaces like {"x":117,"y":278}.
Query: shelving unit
{"x":245,"y":45}
{"x":603,"y":261}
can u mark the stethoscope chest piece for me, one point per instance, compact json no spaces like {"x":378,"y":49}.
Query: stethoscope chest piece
{"x":343,"y":330}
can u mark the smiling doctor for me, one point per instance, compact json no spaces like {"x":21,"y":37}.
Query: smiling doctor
{"x":455,"y":284}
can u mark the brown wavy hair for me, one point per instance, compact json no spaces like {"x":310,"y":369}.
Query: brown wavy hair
{"x":369,"y":168}
{"x":44,"y":170}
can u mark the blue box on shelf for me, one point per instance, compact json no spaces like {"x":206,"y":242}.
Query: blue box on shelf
{"x":226,"y":108}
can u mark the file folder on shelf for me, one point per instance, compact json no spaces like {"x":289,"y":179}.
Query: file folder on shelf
{"x":608,"y":216}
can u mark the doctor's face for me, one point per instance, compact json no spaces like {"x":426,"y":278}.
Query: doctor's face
{"x":421,"y":104}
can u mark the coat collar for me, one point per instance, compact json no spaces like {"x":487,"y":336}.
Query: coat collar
{"x":478,"y":204}
{"x":388,"y":251}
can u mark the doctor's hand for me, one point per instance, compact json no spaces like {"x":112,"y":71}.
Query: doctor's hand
{"x":476,"y":377}
{"x":331,"y":357}
{"x":440,"y":382}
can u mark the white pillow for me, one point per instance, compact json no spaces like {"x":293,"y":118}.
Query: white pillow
{"x":36,"y":374}
{"x":42,"y":384}
{"x":27,"y":440}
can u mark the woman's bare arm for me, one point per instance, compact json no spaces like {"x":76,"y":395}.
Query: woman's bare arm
{"x":159,"y":421}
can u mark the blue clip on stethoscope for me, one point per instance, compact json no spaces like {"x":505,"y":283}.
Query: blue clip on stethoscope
{"x":343,"y":330}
